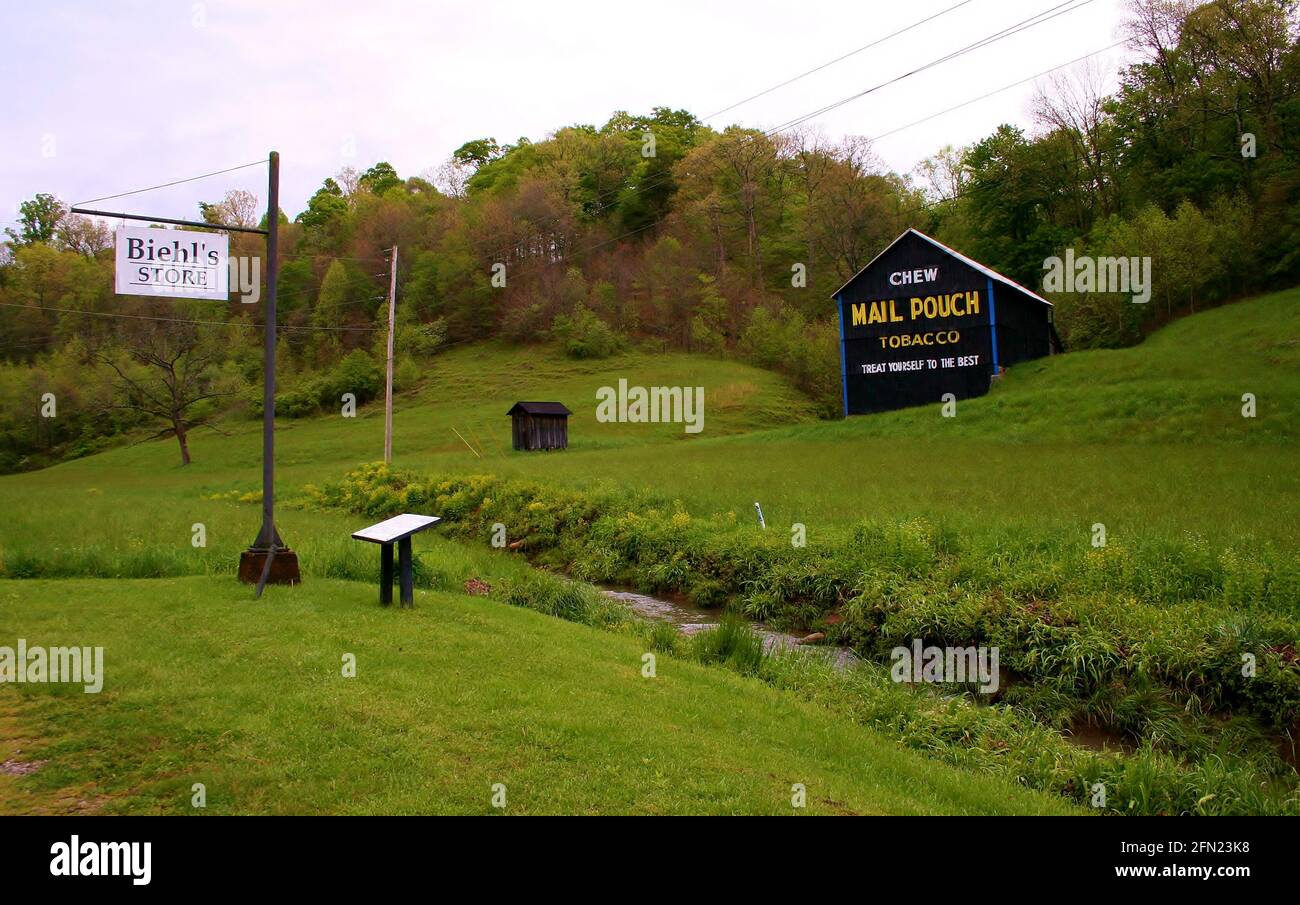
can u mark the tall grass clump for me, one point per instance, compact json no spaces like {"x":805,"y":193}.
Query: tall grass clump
{"x":564,"y":599}
{"x":733,"y":644}
{"x":662,"y":638}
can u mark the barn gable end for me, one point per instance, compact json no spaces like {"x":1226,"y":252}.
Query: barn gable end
{"x":922,"y":321}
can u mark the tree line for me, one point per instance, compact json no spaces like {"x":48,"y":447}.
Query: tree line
{"x":658,"y":229}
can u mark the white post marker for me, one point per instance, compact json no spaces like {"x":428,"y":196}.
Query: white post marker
{"x":396,"y":530}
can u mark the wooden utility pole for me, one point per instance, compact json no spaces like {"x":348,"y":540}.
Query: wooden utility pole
{"x":388,"y":389}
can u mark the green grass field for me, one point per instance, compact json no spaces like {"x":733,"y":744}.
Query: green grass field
{"x":206,"y":686}
{"x":1149,"y":441}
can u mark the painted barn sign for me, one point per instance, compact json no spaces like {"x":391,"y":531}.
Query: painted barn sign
{"x":922,"y":321}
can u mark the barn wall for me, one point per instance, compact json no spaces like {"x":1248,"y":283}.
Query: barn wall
{"x":883,"y":391}
{"x":533,"y":432}
{"x":869,"y":384}
{"x":1023,"y":327}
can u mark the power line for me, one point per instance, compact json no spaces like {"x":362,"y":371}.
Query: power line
{"x":1077,"y":159}
{"x":1033,"y":21}
{"x":353,"y":282}
{"x":654,"y":183}
{"x":1006,"y":32}
{"x":839,"y":59}
{"x":1024,"y":25}
{"x":349,"y":303}
{"x":32,"y":341}
{"x":659,"y":221}
{"x":174,"y":320}
{"x":285,"y":254}
{"x":242,"y":166}
{"x":990,"y":94}
{"x":903,"y":212}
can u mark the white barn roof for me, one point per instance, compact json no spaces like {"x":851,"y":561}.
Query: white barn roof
{"x":987,"y":271}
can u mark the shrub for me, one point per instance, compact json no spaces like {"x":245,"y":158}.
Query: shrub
{"x":807,"y":352}
{"x":357,"y":373}
{"x":525,"y":324}
{"x":584,"y":335}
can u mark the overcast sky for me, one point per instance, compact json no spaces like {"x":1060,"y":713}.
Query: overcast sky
{"x":101,"y":98}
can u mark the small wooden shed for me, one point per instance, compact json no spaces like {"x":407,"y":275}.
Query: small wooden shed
{"x":540,"y":425}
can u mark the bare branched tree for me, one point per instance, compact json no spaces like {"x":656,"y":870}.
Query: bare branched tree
{"x":812,"y":158}
{"x":450,"y":177}
{"x":83,"y":235}
{"x":852,"y":215}
{"x":238,"y":208}
{"x":1152,"y":30}
{"x":349,"y":179}
{"x":943,"y":177}
{"x":165,"y":371}
{"x":1073,"y":104}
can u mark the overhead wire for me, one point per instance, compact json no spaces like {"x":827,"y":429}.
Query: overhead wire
{"x":165,"y":185}
{"x":839,"y":59}
{"x":175,"y":320}
{"x":1040,"y":18}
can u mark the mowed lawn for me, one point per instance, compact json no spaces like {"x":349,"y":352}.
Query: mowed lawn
{"x":205,"y":685}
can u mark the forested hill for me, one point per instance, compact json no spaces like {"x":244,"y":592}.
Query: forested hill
{"x":658,"y":228}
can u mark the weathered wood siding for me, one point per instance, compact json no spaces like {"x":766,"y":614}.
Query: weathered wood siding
{"x":531,"y":432}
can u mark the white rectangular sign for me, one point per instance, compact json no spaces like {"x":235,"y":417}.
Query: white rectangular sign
{"x":173,"y":262}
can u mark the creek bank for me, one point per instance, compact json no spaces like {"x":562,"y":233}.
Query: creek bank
{"x":691,"y":620}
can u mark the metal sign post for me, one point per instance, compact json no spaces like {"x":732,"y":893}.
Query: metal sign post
{"x":269,"y":559}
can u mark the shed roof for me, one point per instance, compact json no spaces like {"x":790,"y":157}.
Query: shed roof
{"x":970,"y":262}
{"x":540,"y":408}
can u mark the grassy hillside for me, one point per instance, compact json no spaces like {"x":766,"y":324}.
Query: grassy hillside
{"x":130,"y":511}
{"x":1182,"y":385}
{"x":203,"y":685}
{"x":1148,"y":441}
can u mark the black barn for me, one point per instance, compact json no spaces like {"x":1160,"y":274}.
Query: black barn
{"x":540,"y":425}
{"x":922,"y":321}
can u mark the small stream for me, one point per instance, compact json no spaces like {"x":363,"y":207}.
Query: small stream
{"x":691,"y":619}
